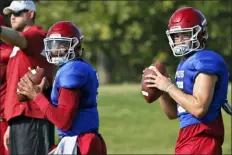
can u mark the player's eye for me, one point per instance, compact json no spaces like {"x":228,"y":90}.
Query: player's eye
{"x":176,"y":36}
{"x":63,"y":51}
{"x":186,"y":35}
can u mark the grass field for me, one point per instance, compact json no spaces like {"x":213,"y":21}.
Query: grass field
{"x":131,"y":126}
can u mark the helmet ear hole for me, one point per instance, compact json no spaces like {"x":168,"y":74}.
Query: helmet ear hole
{"x":75,"y":40}
{"x":205,"y":33}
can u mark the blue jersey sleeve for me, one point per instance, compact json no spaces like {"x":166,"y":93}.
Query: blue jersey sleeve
{"x":210,"y":63}
{"x":72,"y":79}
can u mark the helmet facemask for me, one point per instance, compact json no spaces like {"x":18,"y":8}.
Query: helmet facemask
{"x":60,"y":50}
{"x":187,"y":46}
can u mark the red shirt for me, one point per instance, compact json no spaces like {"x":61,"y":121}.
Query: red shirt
{"x":5,"y":51}
{"x":17,"y":67}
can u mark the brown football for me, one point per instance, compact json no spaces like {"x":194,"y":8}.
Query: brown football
{"x":36,"y":76}
{"x":152,"y":94}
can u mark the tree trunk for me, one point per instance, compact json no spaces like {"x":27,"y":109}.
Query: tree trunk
{"x":103,"y":74}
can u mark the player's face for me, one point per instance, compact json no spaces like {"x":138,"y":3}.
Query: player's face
{"x":59,"y":48}
{"x":20,"y":19}
{"x":182,"y":38}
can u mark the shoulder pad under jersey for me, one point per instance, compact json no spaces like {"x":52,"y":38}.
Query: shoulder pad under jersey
{"x":73,"y":76}
{"x":209,"y":62}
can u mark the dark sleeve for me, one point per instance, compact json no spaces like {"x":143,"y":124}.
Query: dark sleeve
{"x":63,"y":115}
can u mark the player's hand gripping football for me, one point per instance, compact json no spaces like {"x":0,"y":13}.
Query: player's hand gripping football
{"x":27,"y":88}
{"x":159,"y":81}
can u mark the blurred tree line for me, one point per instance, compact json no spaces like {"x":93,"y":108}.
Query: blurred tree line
{"x":121,"y":38}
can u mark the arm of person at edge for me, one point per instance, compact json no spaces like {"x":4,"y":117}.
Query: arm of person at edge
{"x":6,"y":138}
{"x":13,"y":37}
{"x":61,"y":116}
{"x":196,"y":104}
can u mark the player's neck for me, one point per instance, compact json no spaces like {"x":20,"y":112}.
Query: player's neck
{"x":28,"y":26}
{"x":189,"y":55}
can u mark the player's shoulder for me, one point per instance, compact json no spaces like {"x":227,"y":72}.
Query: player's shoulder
{"x":75,"y":68}
{"x":40,"y":30}
{"x":35,"y":30}
{"x":73,"y":74}
{"x":209,"y":61}
{"x":207,"y":54}
{"x":77,"y":65}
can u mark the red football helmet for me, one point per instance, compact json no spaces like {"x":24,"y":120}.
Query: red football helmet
{"x":184,"y":20}
{"x":63,"y":43}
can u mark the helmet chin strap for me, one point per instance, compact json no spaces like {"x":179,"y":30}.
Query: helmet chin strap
{"x":64,"y":59}
{"x":181,"y":50}
{"x":59,"y":60}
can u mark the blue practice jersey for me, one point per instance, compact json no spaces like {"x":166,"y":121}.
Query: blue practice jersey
{"x":204,"y":61}
{"x":79,"y":74}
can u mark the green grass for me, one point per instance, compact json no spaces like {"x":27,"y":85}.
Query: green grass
{"x":129,"y":125}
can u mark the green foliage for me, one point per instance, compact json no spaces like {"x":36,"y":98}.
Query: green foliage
{"x":131,"y":34}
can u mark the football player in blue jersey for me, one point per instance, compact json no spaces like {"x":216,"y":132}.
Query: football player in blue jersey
{"x":74,"y":95}
{"x":200,"y":89}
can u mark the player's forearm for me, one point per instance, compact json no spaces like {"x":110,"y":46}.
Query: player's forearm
{"x":169,"y":106}
{"x":59,"y":116}
{"x":188,"y":102}
{"x":13,"y":38}
{"x":63,"y":115}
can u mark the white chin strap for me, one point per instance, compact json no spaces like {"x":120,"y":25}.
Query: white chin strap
{"x":59,"y":60}
{"x":180,"y":50}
